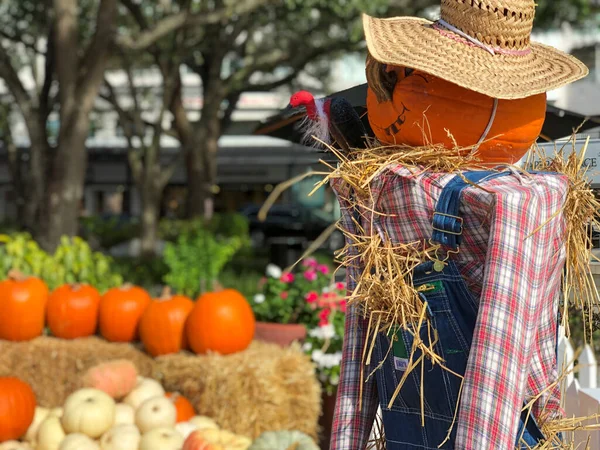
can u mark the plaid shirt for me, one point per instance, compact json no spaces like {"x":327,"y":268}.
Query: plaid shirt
{"x":516,"y":274}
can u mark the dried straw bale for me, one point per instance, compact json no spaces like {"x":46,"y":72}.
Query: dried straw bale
{"x":265,"y":388}
{"x":54,"y":367}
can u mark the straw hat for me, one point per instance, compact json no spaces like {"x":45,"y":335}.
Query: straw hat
{"x":481,"y":45}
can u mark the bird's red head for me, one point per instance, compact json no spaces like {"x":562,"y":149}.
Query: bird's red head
{"x":301,"y":98}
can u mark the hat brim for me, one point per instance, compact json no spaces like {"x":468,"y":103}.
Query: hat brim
{"x":415,"y":43}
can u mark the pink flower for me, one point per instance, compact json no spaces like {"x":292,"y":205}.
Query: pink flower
{"x":262,"y":282}
{"x":323,"y":269}
{"x":284,"y":295}
{"x":340,"y":286}
{"x":311,"y":297}
{"x":324,"y":317}
{"x":310,"y":262}
{"x":287,"y":277}
{"x":343,"y":306}
{"x":310,"y":275}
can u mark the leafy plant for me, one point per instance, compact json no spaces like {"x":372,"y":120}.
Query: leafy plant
{"x":221,"y":225}
{"x":196,"y":259}
{"x":72,"y":262}
{"x":109,"y":231}
{"x":324,"y":345}
{"x":291,"y":297}
{"x":308,"y":297}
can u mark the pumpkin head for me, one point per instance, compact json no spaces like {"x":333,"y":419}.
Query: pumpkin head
{"x":120,"y":313}
{"x":22,"y":307}
{"x":116,"y":378}
{"x":17,"y":408}
{"x":185,"y":409}
{"x":221,"y":322}
{"x":162,"y":326}
{"x":73,"y":311}
{"x":424,"y":108}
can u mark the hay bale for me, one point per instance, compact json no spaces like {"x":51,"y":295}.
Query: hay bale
{"x":265,"y":388}
{"x":54,"y":367}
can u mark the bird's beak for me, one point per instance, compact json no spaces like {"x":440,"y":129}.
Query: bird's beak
{"x":290,"y":111}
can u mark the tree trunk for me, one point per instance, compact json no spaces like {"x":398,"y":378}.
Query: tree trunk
{"x":202,"y":157}
{"x":151,"y":198}
{"x":37,"y":175}
{"x":15,"y":167}
{"x":65,"y":191}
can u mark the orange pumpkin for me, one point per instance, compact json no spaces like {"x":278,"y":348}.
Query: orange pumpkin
{"x":120,"y":313}
{"x":221,"y":322}
{"x":22,"y":307}
{"x":463,"y":113}
{"x":162,"y":326}
{"x":73,"y":311}
{"x":185,"y":409}
{"x":17,"y":408}
{"x":117,"y":378}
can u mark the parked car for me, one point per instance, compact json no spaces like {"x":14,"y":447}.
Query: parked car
{"x":291,"y":225}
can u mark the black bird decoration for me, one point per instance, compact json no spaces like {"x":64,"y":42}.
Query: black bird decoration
{"x":330,"y":120}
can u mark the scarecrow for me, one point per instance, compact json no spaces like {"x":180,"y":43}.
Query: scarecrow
{"x":455,"y":273}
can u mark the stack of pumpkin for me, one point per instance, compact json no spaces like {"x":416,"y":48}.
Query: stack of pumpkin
{"x":118,"y":410}
{"x":221,"y":321}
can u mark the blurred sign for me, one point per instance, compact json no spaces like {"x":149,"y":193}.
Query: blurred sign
{"x":305,"y":187}
{"x":591,"y":160}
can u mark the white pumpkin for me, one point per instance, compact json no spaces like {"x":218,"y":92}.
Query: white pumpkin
{"x":146,"y":388}
{"x":161,"y":439}
{"x":121,"y":437}
{"x":15,"y":445}
{"x":88,"y":411}
{"x":78,"y":441}
{"x":124,"y":414}
{"x":185,"y":428}
{"x":157,"y":412}
{"x":39,"y":416}
{"x":203,"y":423}
{"x":50,"y":434}
{"x":57,"y":412}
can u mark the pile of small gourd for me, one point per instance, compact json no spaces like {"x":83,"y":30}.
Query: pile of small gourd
{"x":116,"y":410}
{"x":221,"y":321}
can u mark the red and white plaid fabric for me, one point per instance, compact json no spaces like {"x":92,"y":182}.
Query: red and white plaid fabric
{"x":515,"y":272}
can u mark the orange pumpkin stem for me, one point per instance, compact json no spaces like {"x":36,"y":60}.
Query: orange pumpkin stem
{"x":16,"y":275}
{"x":166,"y":293}
{"x":126,"y":286}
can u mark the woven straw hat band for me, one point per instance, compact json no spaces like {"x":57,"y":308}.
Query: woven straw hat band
{"x":504,"y":24}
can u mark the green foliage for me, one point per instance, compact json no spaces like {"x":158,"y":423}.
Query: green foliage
{"x":145,"y":272}
{"x":221,"y":225}
{"x":244,"y":281}
{"x":196,"y":259}
{"x":72,"y":262}
{"x":108,"y":232}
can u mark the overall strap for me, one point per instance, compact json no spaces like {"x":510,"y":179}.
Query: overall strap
{"x":447,"y":224}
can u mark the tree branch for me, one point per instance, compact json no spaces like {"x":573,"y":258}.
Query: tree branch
{"x":49,"y":63}
{"x":97,"y":54}
{"x":238,"y":81}
{"x":232,"y":101}
{"x":180,"y":20}
{"x":66,"y":55}
{"x":13,"y":83}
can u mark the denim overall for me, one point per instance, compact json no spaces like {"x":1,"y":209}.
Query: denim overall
{"x":452,"y":311}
